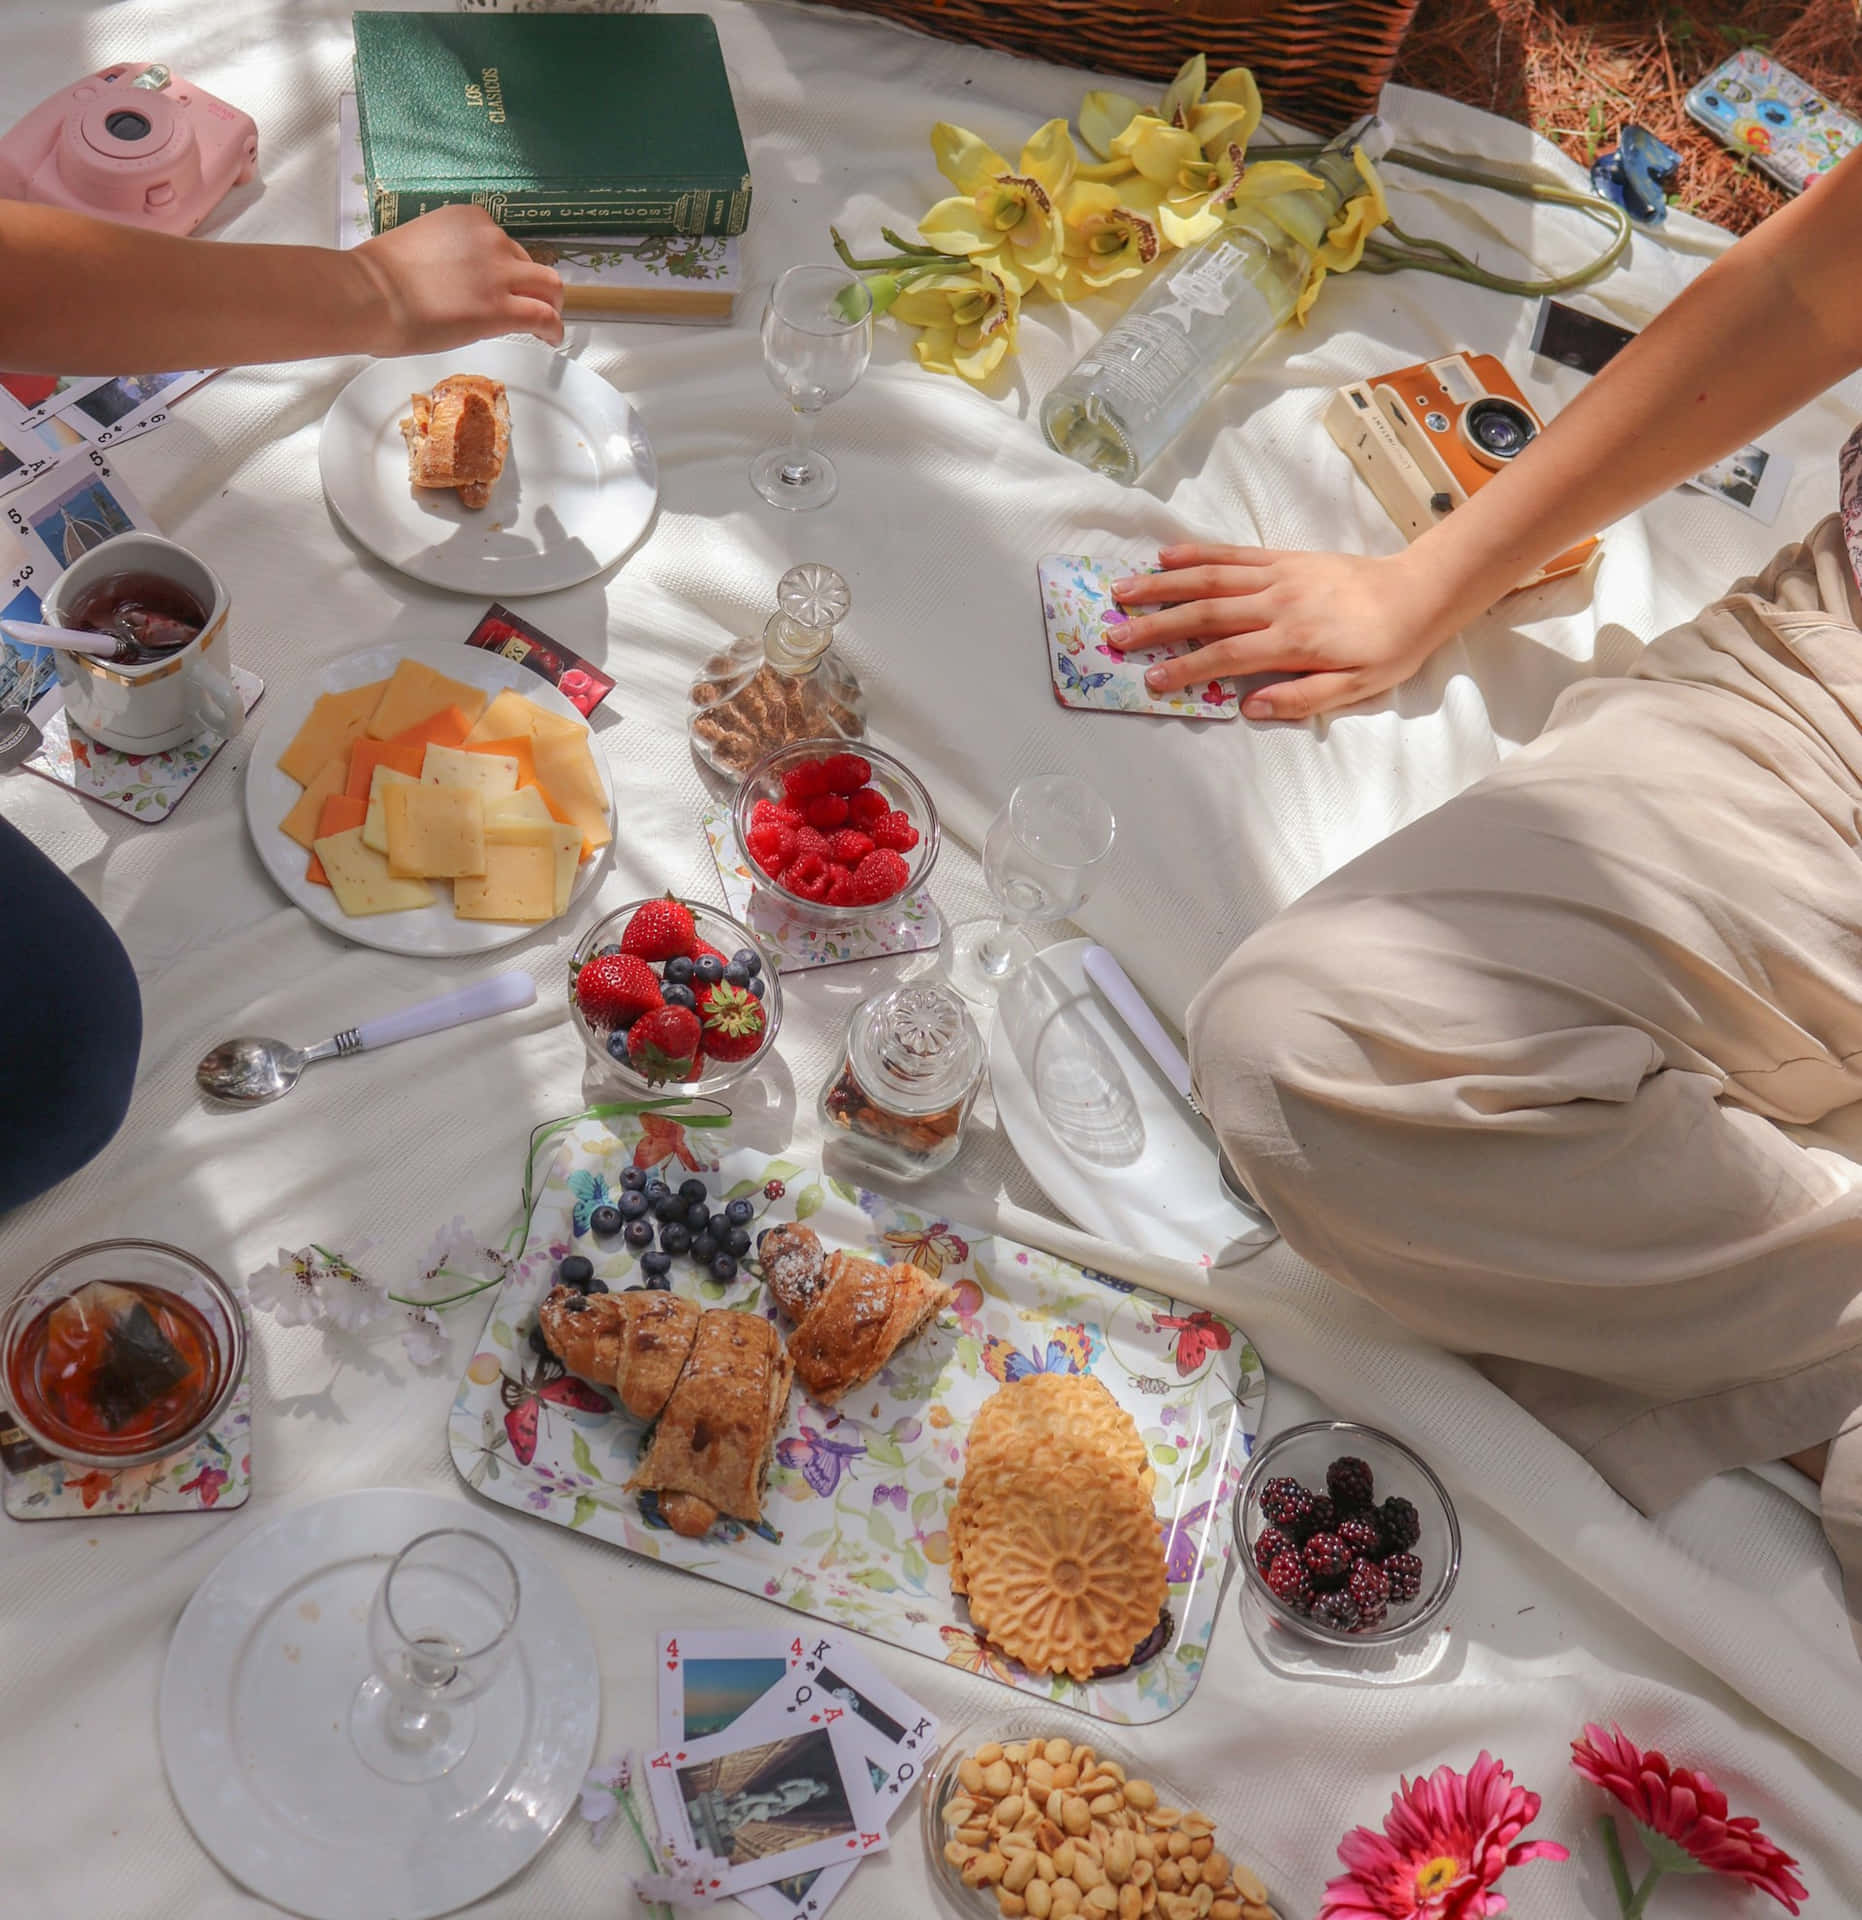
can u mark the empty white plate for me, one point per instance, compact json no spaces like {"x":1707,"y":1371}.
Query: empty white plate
{"x":1106,"y":1136}
{"x":577,"y":491}
{"x":255,"y":1710}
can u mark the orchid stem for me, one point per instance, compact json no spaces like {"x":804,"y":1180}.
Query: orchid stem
{"x":1619,"y":1867}
{"x":845,"y":254}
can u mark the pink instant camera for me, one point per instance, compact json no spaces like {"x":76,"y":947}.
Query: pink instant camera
{"x":133,"y":142}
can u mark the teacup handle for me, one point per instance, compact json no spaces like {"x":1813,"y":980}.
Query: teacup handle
{"x":214,"y":696}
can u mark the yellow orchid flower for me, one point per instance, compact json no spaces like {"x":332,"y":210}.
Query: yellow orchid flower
{"x":1111,"y":233}
{"x":1199,"y":181}
{"x":1343,"y":245}
{"x":1010,"y":214}
{"x":968,"y":318}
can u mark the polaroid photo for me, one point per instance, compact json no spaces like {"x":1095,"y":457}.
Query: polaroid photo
{"x":709,"y":1680}
{"x":35,"y":397}
{"x":80,"y":504}
{"x":129,"y":404}
{"x":836,"y":1685}
{"x":1080,"y":616}
{"x":767,"y":1802}
{"x":1753,"y":480}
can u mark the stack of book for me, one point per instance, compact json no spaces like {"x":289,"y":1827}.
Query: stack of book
{"x":607,"y":144}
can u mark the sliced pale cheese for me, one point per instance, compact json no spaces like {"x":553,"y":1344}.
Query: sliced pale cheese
{"x":416,"y":692}
{"x":339,"y":814}
{"x":565,"y":842}
{"x":527,"y":803}
{"x":516,"y":748}
{"x":334,"y":724}
{"x":510,"y":714}
{"x":489,"y":774}
{"x":519,"y":883}
{"x":566,"y":773}
{"x":434,"y":833}
{"x":300,"y":824}
{"x":361,"y":880}
{"x":375,"y":826}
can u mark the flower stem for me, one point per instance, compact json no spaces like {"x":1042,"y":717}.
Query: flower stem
{"x":909,"y":253}
{"x":1640,"y":1900}
{"x":1619,"y":1867}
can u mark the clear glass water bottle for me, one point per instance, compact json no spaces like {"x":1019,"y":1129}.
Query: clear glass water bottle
{"x":1208,"y":311}
{"x":786,"y":683}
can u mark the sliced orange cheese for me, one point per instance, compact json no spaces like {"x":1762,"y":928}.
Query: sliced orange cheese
{"x":335,"y":722}
{"x":510,"y":713}
{"x":366,"y":755}
{"x":340,"y":813}
{"x":300,"y":824}
{"x":566,"y":773}
{"x":375,"y":827}
{"x":517,"y":748}
{"x":416,"y":692}
{"x":447,"y":729}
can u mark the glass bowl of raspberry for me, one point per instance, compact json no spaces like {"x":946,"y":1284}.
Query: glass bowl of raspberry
{"x":1346,"y":1537}
{"x":833,"y":835}
{"x":642,"y":959}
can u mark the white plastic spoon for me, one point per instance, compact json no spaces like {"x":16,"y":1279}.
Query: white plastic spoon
{"x":28,"y":633}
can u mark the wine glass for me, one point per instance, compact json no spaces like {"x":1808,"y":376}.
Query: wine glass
{"x":817,"y":334}
{"x":440,"y":1631}
{"x":1038,"y":861}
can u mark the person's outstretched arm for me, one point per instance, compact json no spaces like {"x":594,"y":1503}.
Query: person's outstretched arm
{"x":110,"y":298}
{"x":1769,"y":326}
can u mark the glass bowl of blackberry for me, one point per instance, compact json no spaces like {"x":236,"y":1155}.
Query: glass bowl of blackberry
{"x":643,"y":959}
{"x":833,"y":835}
{"x":1346,"y":1537}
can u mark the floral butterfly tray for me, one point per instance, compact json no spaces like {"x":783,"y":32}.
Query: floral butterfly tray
{"x":853,"y":1527}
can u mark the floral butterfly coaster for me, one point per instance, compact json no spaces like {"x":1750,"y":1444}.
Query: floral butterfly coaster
{"x":1079,"y":611}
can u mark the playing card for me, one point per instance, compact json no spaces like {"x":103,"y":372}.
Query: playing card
{"x":709,"y":1680}
{"x":503,"y":632}
{"x":25,"y":672}
{"x":1088,"y":671}
{"x":127,"y":405}
{"x":1753,"y":480}
{"x":80,"y":504}
{"x":37,"y":396}
{"x":769,"y":1802}
{"x":26,"y":452}
{"x":836,"y":1685}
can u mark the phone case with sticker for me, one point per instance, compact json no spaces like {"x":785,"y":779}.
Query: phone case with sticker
{"x":1079,"y":611}
{"x":1764,"y":113}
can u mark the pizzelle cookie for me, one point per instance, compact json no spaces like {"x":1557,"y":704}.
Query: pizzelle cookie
{"x":1064,"y":1567}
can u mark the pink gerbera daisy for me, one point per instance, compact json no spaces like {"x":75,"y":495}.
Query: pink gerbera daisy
{"x":1446,"y":1842}
{"x":1684,"y":1822}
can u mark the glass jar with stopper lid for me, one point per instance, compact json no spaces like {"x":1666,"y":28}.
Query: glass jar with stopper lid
{"x":912,"y":1066}
{"x":787,"y":683}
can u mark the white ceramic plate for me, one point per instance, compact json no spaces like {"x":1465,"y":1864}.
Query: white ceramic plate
{"x":254,"y":1722}
{"x":577,"y":491}
{"x":271,"y":793}
{"x":1105,"y":1135}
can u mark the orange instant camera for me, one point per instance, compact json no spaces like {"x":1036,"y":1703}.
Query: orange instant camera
{"x":1427,"y":437}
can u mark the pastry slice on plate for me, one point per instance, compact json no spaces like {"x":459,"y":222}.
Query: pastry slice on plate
{"x":458,"y":435}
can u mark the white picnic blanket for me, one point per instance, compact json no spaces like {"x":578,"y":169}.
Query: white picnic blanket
{"x":1716,"y":1633}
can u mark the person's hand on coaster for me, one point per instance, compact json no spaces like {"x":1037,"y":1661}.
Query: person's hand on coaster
{"x":1343,"y":627}
{"x":454,"y":276}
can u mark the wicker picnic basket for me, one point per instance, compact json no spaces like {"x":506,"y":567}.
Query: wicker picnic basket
{"x":1320,"y":63}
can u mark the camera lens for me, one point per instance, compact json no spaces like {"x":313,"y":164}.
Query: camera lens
{"x":125,"y":125}
{"x":1498,"y":429}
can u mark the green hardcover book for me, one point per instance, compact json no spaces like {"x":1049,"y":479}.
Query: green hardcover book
{"x":554,"y":123}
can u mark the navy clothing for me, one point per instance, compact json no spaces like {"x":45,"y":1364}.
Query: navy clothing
{"x":70,"y":1024}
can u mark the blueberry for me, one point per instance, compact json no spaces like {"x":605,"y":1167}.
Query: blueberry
{"x":655,"y":1187}
{"x":678,"y":972}
{"x":633,"y":1179}
{"x":719,"y":1225}
{"x":613,"y":947}
{"x":692,"y":1191}
{"x":576,"y":1270}
{"x":736,"y":1242}
{"x":681,"y":997}
{"x":639,"y":1286}
{"x":708,"y":968}
{"x":698,"y":1216}
{"x":736,"y":976}
{"x":757,"y":988}
{"x":675,"y":1238}
{"x":653,"y":1263}
{"x":662,"y":1285}
{"x":703,"y":1248}
{"x":596,"y":1286}
{"x":606,"y":1221}
{"x":632,"y":1206}
{"x":740,"y":1213}
{"x":538,"y":1345}
{"x":638,"y":1233}
{"x":724,"y":1266}
{"x":617,"y":1045}
{"x":749,"y":959}
{"x":669,"y":1207}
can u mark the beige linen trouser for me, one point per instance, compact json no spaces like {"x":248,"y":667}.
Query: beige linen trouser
{"x":1515,"y":1074}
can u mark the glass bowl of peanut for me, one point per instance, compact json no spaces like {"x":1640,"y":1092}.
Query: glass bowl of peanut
{"x":1022,"y":1818}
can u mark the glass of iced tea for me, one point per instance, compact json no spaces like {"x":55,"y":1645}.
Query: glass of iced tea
{"x":120,"y":1353}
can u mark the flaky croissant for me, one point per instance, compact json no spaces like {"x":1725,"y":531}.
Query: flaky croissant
{"x":858,"y":1319}
{"x":636,"y":1343}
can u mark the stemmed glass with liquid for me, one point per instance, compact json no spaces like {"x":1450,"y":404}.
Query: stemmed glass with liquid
{"x":440,"y":1631}
{"x":1039,"y":859}
{"x":817,"y":335}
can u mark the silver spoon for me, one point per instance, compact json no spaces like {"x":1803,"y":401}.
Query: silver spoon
{"x":252,"y":1070}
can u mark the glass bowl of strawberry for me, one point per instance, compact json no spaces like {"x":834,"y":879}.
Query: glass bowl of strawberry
{"x":836,"y":836}
{"x":674,"y":996}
